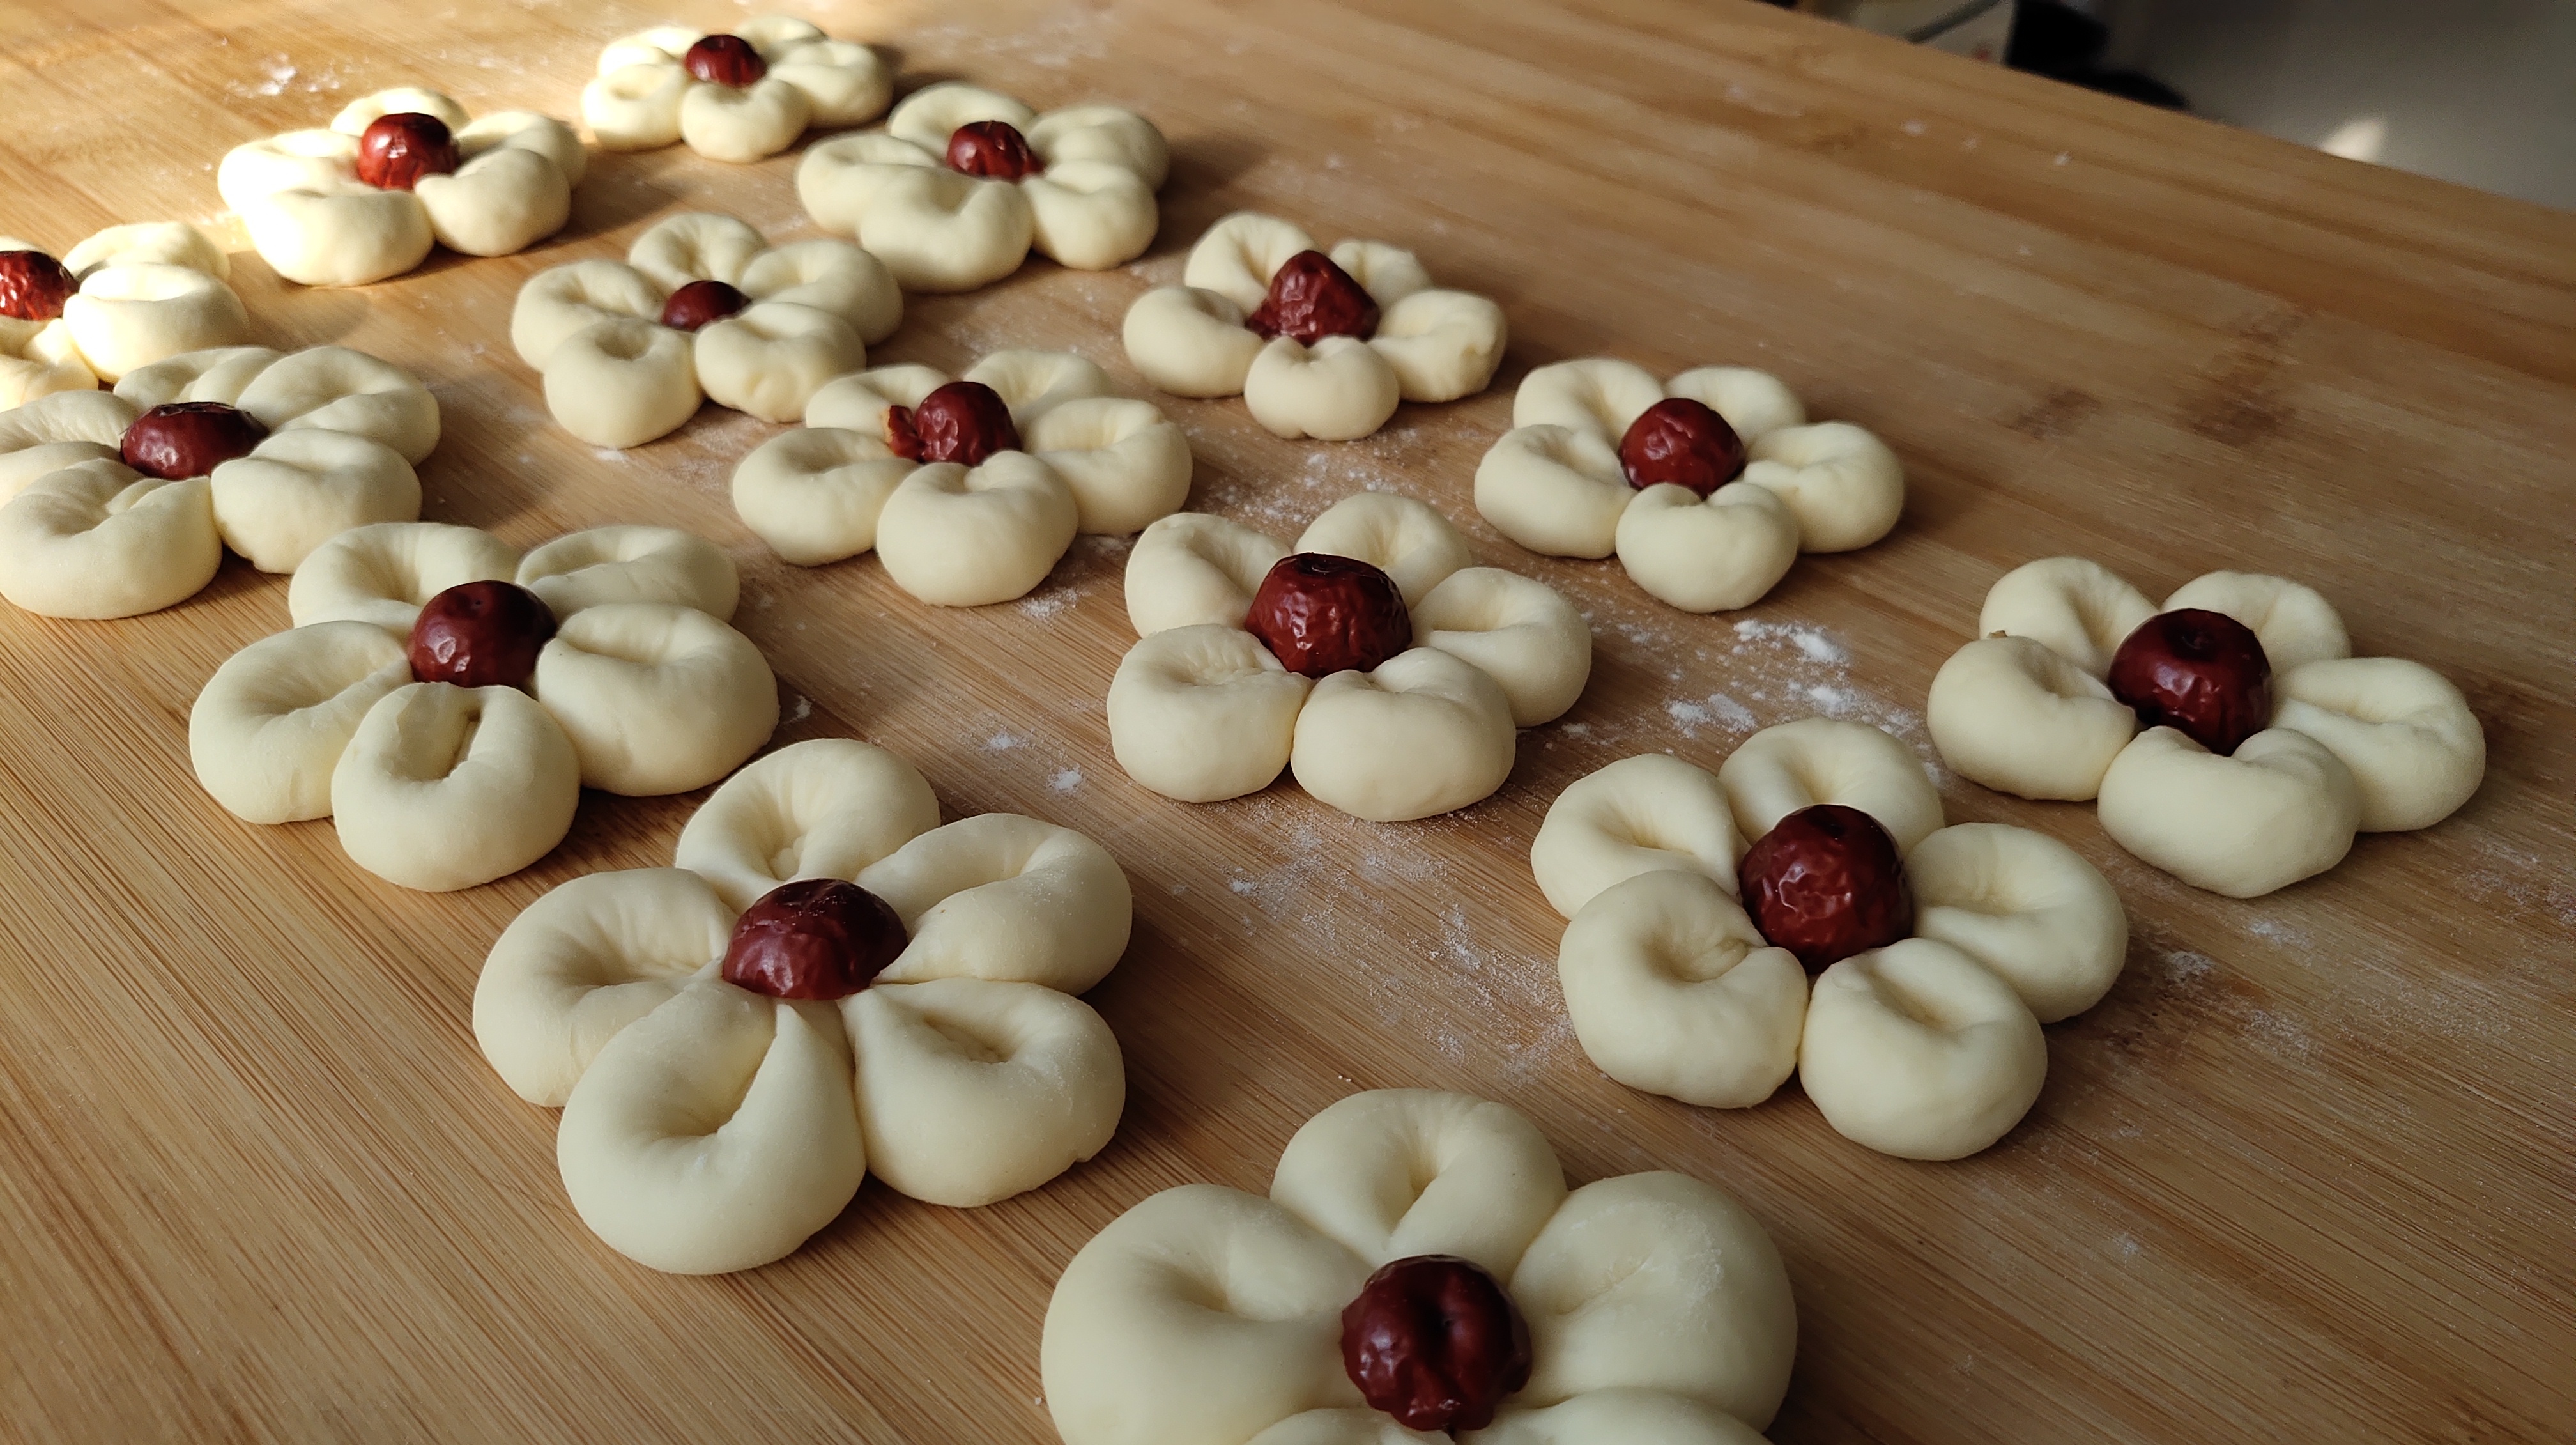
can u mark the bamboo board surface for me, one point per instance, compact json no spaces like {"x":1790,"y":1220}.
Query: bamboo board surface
{"x":2305,"y":1174}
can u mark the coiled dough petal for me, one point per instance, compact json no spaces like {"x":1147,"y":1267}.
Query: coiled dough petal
{"x":525,"y":130}
{"x":753,"y":123}
{"x":1203,"y":713}
{"x":1442,"y":344}
{"x":1090,"y":215}
{"x":971,"y":1091}
{"x":1387,"y":273}
{"x":655,"y":698}
{"x":631,"y":564}
{"x":1190,"y":341}
{"x":1006,"y":898}
{"x":1844,"y":485}
{"x":1617,"y":1417}
{"x":1406,"y":539}
{"x":98,"y":540}
{"x":1658,"y":1281}
{"x":318,"y":159}
{"x":2024,"y":905}
{"x":445,"y":787}
{"x":830,"y":276}
{"x":1425,"y":733}
{"x":823,"y":808}
{"x":2020,"y":717}
{"x":1240,"y":253}
{"x":2295,"y":623}
{"x":330,"y":388}
{"x":1711,"y":554}
{"x":845,"y":83}
{"x":164,"y":243}
{"x":132,"y":314}
{"x":345,"y":234}
{"x":1192,"y":568}
{"x":967,"y":536}
{"x":1336,"y":390}
{"x":299,"y":489}
{"x":2078,"y":609}
{"x":2415,"y":750}
{"x":814,"y":493}
{"x":943,"y":230}
{"x":1102,"y":133}
{"x":1601,"y":396}
{"x":59,"y":430}
{"x":1033,"y":383}
{"x":1917,"y":1050}
{"x":1395,"y":1173}
{"x":622,"y":383}
{"x":1793,"y":765}
{"x":1556,"y":490}
{"x":636,"y":107}
{"x":1754,"y":403}
{"x":1522,"y":632}
{"x":221,"y":374}
{"x":500,"y":202}
{"x":270,"y":725}
{"x":584,"y":961}
{"x":39,"y":359}
{"x":715,"y":1133}
{"x":2282,"y":807}
{"x":1638,"y":815}
{"x":1126,"y":464}
{"x":382,"y":574}
{"x":931,"y":114}
{"x":1201,"y":1314}
{"x":770,"y":358}
{"x":839,"y":179}
{"x":777,"y":35}
{"x":695,"y":246}
{"x":860,"y":403}
{"x":1673,"y":991}
{"x":357,"y":115}
{"x":555,"y":304}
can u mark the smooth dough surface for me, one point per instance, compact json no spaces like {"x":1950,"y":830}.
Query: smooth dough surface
{"x":1919,"y":1051}
{"x":2294,"y":622}
{"x":1203,"y":713}
{"x":382,"y":574}
{"x":969,"y":536}
{"x":2024,"y":905}
{"x":1793,"y":765}
{"x":656,"y":698}
{"x":1638,"y":815}
{"x":2282,"y":807}
{"x":1673,"y":991}
{"x":446,"y":787}
{"x":268,"y":728}
{"x":1424,"y":733}
{"x":1394,"y":1173}
{"x":2019,"y":717}
{"x":631,"y":564}
{"x":98,"y":540}
{"x":2079,"y":609}
{"x":1405,"y":538}
{"x":1843,"y":484}
{"x":1008,"y":899}
{"x":1708,"y":555}
{"x":1523,"y":633}
{"x":1192,"y":568}
{"x":822,"y":808}
{"x":2415,"y":749}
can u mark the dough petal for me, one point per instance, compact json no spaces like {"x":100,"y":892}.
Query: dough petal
{"x":844,"y":83}
{"x":39,"y":359}
{"x":98,"y":540}
{"x":839,"y":180}
{"x":343,"y":233}
{"x":829,"y":276}
{"x":1240,"y":253}
{"x":1917,"y":1050}
{"x":584,"y":961}
{"x":942,"y":230}
{"x":1556,"y":490}
{"x":631,"y":564}
{"x":497,"y":203}
{"x":2415,"y":749}
{"x":743,"y":125}
{"x":655,"y":698}
{"x":931,"y":114}
{"x":1090,"y":215}
{"x":221,"y":374}
{"x":132,"y":314}
{"x":769,"y":359}
{"x":1103,"y":133}
{"x":446,"y":787}
{"x":1387,"y":273}
{"x":1597,"y":395}
{"x":556,"y":304}
{"x":163,"y":243}
{"x":331,"y":388}
{"x":1395,"y":1173}
{"x":823,"y":808}
{"x":1203,"y":713}
{"x":1754,"y":403}
{"x":366,"y":110}
{"x":1190,"y":341}
{"x":1617,"y":1417}
{"x":1126,"y":464}
{"x":1361,"y":1426}
{"x":1339,"y":389}
{"x":860,"y":403}
{"x":2282,"y":807}
{"x":1842,"y":483}
{"x":299,"y":489}
{"x":2294,"y":623}
{"x":695,"y":246}
{"x":1442,"y":344}
{"x":1637,"y":815}
{"x":636,"y":107}
{"x":1005,"y":898}
{"x":2024,"y":905}
{"x":1793,"y":765}
{"x":1425,"y":733}
{"x":2078,"y":609}
{"x":60,"y":430}
{"x":525,"y":130}
{"x":1406,"y":539}
{"x":1672,"y":990}
{"x":968,"y":536}
{"x":269,"y":726}
{"x":1708,"y":555}
{"x":383,"y":573}
{"x":1192,"y":568}
{"x":1520,"y":631}
{"x":814,"y":493}
{"x":622,"y":383}
{"x":2019,"y":717}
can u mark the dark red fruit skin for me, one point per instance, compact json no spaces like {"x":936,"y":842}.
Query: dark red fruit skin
{"x":994,"y":149}
{"x":1320,"y":614}
{"x":700,"y":302}
{"x":2201,"y":672}
{"x":480,"y":634}
{"x":1825,"y":883}
{"x":397,"y":150}
{"x":1311,"y":298}
{"x":189,"y":438}
{"x":816,"y":939}
{"x":964,"y":422}
{"x":1436,"y":1343}
{"x":1683,"y":443}
{"x":725,"y":60}
{"x":33,"y":285}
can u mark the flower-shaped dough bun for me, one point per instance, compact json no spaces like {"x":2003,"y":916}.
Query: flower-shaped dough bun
{"x":1925,"y":1043}
{"x":963,"y":183}
{"x":1419,"y":1272}
{"x":1373,"y":660}
{"x":1707,"y":486}
{"x":118,"y":503}
{"x":701,"y":308}
{"x":395,"y":173}
{"x":2041,"y":705}
{"x":444,"y":700}
{"x":741,"y":96}
{"x":1316,"y":345}
{"x":827,"y":984}
{"x":123,"y":299}
{"x":969,"y":489}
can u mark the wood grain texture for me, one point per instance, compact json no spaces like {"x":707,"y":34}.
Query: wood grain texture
{"x":2304,"y":1175}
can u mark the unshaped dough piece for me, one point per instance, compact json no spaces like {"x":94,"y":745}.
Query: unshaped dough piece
{"x":1638,"y":815}
{"x":2078,"y":609}
{"x":446,"y":787}
{"x":2018,"y":716}
{"x":2282,"y":807}
{"x":2415,"y":749}
{"x":1424,"y":733}
{"x":1203,"y":713}
{"x":2024,"y":905}
{"x":1673,"y":991}
{"x":1917,"y":1050}
{"x":1794,"y":765}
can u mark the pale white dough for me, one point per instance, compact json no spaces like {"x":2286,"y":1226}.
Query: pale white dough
{"x":38,"y":359}
{"x":1406,"y":539}
{"x":1844,"y":485}
{"x":631,"y":564}
{"x":1671,"y":990}
{"x":2415,"y":749}
{"x":446,"y":787}
{"x":2294,"y":623}
{"x":1917,"y":1050}
{"x":1556,"y":490}
{"x":644,"y":98}
{"x":1008,"y":899}
{"x":1598,"y":395}
{"x":1395,"y":1173}
{"x":1192,"y":568}
{"x":2282,"y":807}
{"x":60,"y":430}
{"x":1125,"y":463}
{"x":742,"y":125}
{"x":1637,"y":815}
{"x":655,"y":698}
{"x":129,"y":314}
{"x":1442,"y":345}
{"x":622,"y":383}
{"x":99,"y":540}
{"x":2018,"y":716}
{"x":1424,"y":733}
{"x":1708,"y":555}
{"x":327,"y":388}
{"x":2027,"y":907}
{"x":1521,"y":632}
{"x":2078,"y":609}
{"x":1339,"y":389}
{"x":813,"y":493}
{"x":382,"y":574}
{"x":1190,"y":341}
{"x":300,"y":488}
{"x":1754,"y":403}
{"x":271,"y":723}
{"x":1812,"y":760}
{"x":1203,"y":713}
{"x":823,"y":808}
{"x":768,"y":359}
{"x":966,"y":536}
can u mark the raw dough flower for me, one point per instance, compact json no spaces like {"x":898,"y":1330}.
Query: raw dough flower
{"x":1333,"y":376}
{"x":1658,"y":1311}
{"x":147,"y":292}
{"x":781,"y":77}
{"x":1928,"y":1048}
{"x":1080,"y":460}
{"x":710,"y":1127}
{"x":643,"y":690}
{"x":1557,"y":484}
{"x":1202,"y":710}
{"x":2367,"y":745}
{"x":963,"y":183}
{"x":701,"y":308}
{"x":82,"y":534}
{"x":313,"y":220}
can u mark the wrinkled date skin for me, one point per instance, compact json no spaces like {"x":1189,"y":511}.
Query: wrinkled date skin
{"x":819,"y":938}
{"x":1683,"y":443}
{"x":701,"y":302}
{"x":1825,"y":883}
{"x":2201,"y":672}
{"x":189,"y":438}
{"x":480,"y":634}
{"x":33,"y":285}
{"x":1436,"y":1343}
{"x":1320,"y":614}
{"x":1311,"y":298}
{"x":993,"y":149}
{"x":964,"y":422}
{"x":397,"y":150}
{"x":725,"y":60}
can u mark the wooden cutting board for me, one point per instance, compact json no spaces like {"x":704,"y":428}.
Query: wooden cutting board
{"x":2305,"y":1174}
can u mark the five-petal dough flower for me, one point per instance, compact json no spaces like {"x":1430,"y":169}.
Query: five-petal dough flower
{"x":645,"y":96}
{"x":1658,"y":1310}
{"x":147,"y":292}
{"x":707,"y":1127}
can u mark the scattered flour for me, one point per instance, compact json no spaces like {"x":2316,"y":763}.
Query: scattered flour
{"x":1066,"y":780}
{"x":1004,"y":742}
